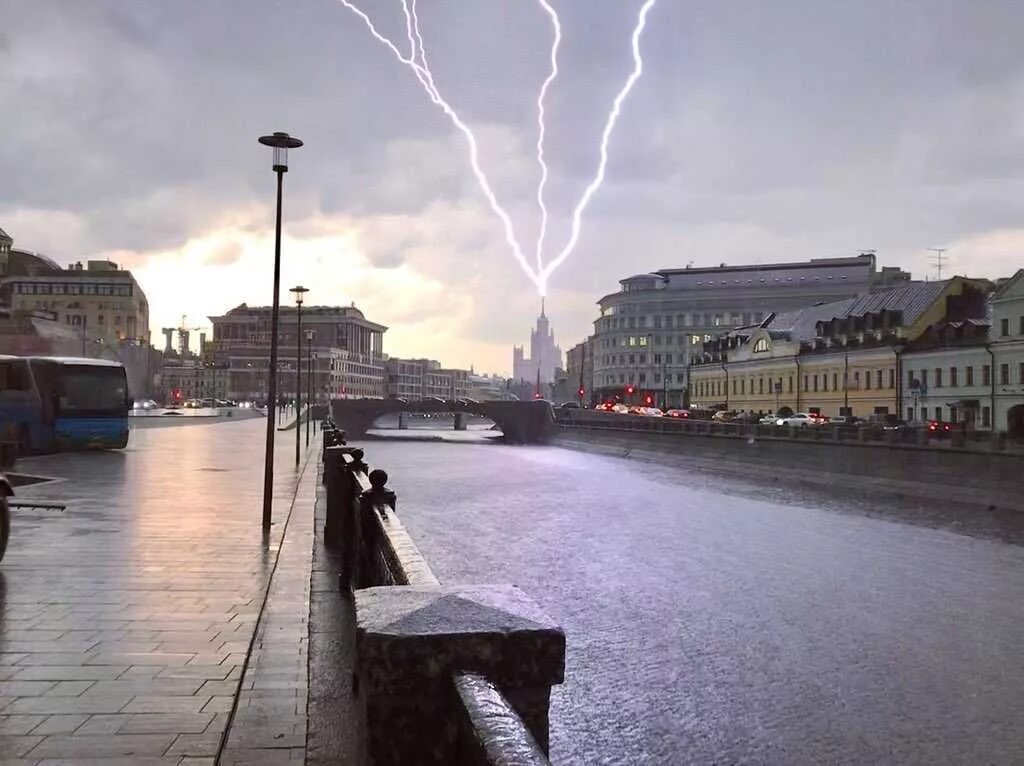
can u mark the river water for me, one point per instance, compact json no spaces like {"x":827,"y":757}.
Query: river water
{"x":710,"y":620}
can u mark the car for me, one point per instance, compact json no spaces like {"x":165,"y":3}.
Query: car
{"x":846,"y":420}
{"x":569,"y":406}
{"x":746,"y":417}
{"x":652,"y":412}
{"x":677,"y":414}
{"x":802,"y":420}
{"x":939,"y":429}
{"x":724,"y":416}
{"x":769,"y":420}
{"x":621,"y":409}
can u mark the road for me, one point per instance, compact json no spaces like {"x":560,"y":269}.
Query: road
{"x":711,"y":620}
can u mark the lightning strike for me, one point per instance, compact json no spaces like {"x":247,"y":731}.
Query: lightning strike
{"x":427,"y":81}
{"x":417,"y":63}
{"x":543,"y":229}
{"x":609,"y":127}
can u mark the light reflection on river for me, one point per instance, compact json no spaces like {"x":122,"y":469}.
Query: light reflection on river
{"x":708,"y":622}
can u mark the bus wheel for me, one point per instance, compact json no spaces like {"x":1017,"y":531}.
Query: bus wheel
{"x":5,"y":526}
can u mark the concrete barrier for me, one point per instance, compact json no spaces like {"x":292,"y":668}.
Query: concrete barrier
{"x":444,"y":675}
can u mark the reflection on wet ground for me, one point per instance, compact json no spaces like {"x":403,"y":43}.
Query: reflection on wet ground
{"x":714,"y":620}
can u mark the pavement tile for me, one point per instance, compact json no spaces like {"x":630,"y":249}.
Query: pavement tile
{"x":81,"y":747}
{"x":16,"y":746}
{"x":19,"y":724}
{"x":87,"y":703}
{"x":70,"y":688}
{"x":150,"y":704}
{"x":171,"y":723}
{"x":60,"y":724}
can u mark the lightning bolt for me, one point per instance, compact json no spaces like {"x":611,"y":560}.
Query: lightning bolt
{"x":417,"y":63}
{"x":606,"y":134}
{"x":426,"y":79}
{"x":543,"y":229}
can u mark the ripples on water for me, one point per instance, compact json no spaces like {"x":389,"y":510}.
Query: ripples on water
{"x":713,"y":620}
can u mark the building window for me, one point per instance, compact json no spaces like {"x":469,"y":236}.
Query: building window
{"x":668,"y":358}
{"x":1020,"y":373}
{"x":910,"y":378}
{"x":642,"y":340}
{"x":643,"y":358}
{"x":1004,"y":327}
{"x":938,"y":377}
{"x":1004,"y":374}
{"x":938,"y":413}
{"x":924,"y":378}
{"x":806,"y":383}
{"x":910,"y":413}
{"x":867,"y":379}
{"x":1020,"y":326}
{"x":824,"y":382}
{"x":760,"y":385}
{"x":986,"y":417}
{"x":953,"y":376}
{"x":790,"y":384}
{"x":734,"y":386}
{"x":892,"y":378}
{"x":986,"y":375}
{"x":856,"y":380}
{"x":657,"y":358}
{"x":878,"y":378}
{"x":969,"y":376}
{"x":760,"y":345}
{"x":643,"y":377}
{"x":657,"y":377}
{"x":835,"y":381}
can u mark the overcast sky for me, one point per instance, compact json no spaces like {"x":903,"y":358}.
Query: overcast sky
{"x":760,"y":131}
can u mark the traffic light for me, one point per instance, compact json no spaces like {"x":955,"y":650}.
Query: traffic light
{"x":630,"y":389}
{"x":580,"y":392}
{"x":648,"y":400}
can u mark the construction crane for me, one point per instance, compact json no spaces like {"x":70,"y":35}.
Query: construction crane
{"x":184,"y":332}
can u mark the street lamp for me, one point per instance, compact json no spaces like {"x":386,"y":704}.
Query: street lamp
{"x":299,"y":291}
{"x":280,"y":143}
{"x":309,"y":379}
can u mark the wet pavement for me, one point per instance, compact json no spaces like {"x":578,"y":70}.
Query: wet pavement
{"x":128,"y":623}
{"x":713,"y":619}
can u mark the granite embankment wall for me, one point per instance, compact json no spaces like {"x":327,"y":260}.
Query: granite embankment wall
{"x":993,"y":479}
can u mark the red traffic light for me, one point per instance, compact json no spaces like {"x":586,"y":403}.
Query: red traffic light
{"x":648,"y":400}
{"x":580,"y":391}
{"x":630,"y":389}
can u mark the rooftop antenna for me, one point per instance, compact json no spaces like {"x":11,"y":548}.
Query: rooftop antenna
{"x":939,"y":257}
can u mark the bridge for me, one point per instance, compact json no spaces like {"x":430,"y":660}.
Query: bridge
{"x":530,"y":422}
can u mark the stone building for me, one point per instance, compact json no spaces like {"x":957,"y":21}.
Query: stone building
{"x":579,"y":369}
{"x":100,"y":300}
{"x":844,"y":357}
{"x":415,"y":379}
{"x":344,"y":352}
{"x":545,"y":355}
{"x":971,"y":370}
{"x":648,"y":330}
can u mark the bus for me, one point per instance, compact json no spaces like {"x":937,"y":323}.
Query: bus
{"x":53,"y":404}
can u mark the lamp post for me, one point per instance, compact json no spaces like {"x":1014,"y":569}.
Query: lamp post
{"x":309,"y":379}
{"x":280,"y":143}
{"x":299,"y":291}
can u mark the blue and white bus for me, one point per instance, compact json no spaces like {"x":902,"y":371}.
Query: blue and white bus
{"x":53,"y":404}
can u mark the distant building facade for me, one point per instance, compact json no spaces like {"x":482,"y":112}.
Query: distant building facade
{"x":100,"y":300}
{"x":345,"y":352}
{"x":649,"y":330}
{"x":846,"y":357}
{"x":545,"y":355}
{"x":579,"y":367}
{"x":192,"y":379}
{"x":415,"y":379}
{"x":971,"y":370}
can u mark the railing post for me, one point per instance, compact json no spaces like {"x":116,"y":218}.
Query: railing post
{"x":339,"y":493}
{"x":378,"y":498}
{"x":351,"y":532}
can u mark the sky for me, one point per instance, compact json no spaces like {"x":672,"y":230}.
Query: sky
{"x":758,"y":132}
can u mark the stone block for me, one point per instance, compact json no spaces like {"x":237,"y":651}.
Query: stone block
{"x":410,"y":641}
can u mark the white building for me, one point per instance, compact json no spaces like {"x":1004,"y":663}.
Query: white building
{"x":973,"y":371}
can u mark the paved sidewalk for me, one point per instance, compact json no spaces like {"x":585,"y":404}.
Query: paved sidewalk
{"x":125,"y":622}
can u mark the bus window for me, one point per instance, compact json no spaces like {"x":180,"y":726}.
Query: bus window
{"x":14,"y":376}
{"x":88,"y":390}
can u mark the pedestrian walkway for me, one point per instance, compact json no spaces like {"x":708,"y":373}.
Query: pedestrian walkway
{"x":127,"y":623}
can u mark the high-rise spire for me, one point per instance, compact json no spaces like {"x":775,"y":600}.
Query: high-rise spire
{"x":542,"y":307}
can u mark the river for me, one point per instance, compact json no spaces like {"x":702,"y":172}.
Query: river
{"x":713,"y":620}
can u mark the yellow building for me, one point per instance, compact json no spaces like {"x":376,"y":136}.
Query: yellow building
{"x":835,"y":358}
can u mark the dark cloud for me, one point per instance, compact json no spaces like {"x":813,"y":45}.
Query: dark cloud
{"x":759,"y":131}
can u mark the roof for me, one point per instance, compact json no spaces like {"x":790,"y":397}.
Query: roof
{"x":911,"y":300}
{"x":853,"y":260}
{"x":5,"y":235}
{"x":1006,"y":286}
{"x":79,"y":360}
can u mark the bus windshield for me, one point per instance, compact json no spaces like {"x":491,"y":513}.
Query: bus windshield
{"x":89,"y":391}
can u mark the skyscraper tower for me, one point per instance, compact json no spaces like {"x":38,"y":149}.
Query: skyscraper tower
{"x":545,"y":355}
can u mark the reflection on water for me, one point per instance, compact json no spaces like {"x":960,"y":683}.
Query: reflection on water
{"x":710,"y":622}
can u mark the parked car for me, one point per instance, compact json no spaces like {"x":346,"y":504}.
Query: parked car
{"x":846,"y":420}
{"x":940,"y":429}
{"x":651,"y":412}
{"x":746,"y":417}
{"x":724,"y":416}
{"x":677,"y":414}
{"x":802,"y":420}
{"x":569,"y":405}
{"x":621,"y":409}
{"x":769,"y":420}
